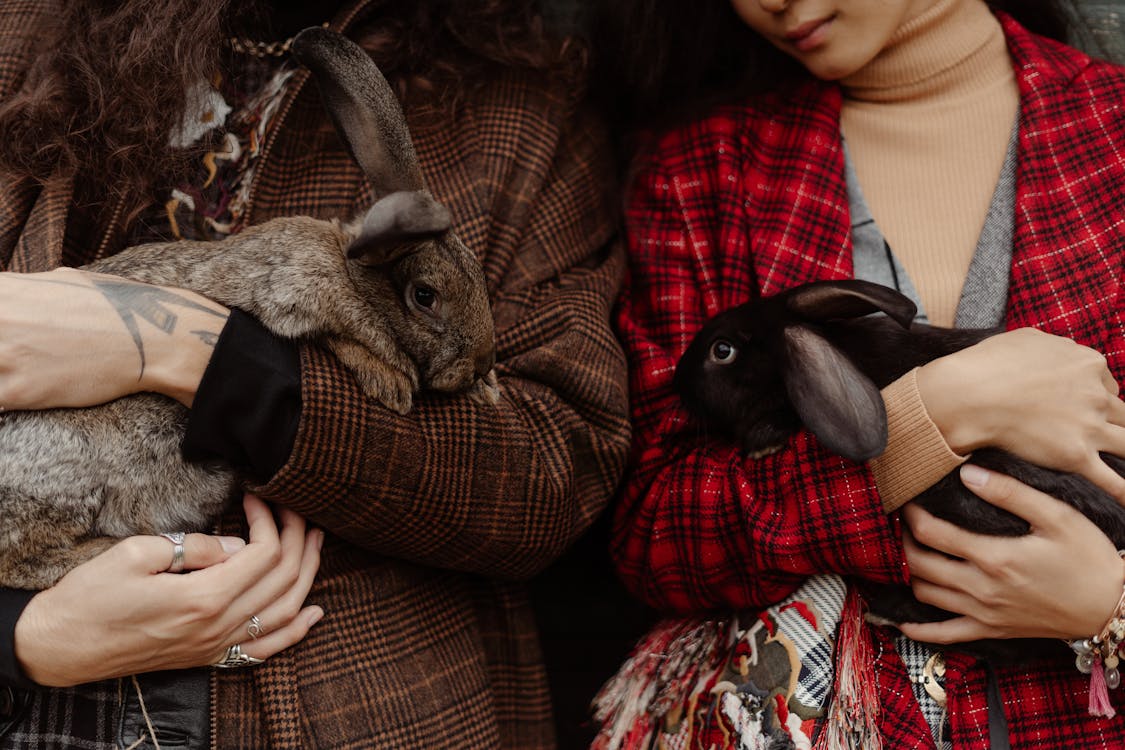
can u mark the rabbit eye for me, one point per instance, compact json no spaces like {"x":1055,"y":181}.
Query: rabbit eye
{"x":723,"y":352}
{"x":425,"y":297}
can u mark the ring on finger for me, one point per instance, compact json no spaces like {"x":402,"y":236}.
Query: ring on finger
{"x":177,"y":540}
{"x":254,"y":629}
{"x":235,"y":658}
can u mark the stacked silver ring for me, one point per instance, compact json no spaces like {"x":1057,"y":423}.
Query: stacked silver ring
{"x":254,"y":629}
{"x":234,"y":658}
{"x":177,"y":540}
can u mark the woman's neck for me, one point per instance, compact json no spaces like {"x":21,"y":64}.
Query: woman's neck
{"x":953,"y":47}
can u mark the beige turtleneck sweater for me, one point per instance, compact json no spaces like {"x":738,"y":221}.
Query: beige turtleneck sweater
{"x":927,"y":124}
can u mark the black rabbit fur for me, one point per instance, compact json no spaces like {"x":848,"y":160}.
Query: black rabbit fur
{"x":816,"y":356}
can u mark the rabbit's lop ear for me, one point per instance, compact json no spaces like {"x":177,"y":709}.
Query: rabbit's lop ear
{"x":837,"y":402}
{"x":394,"y":220}
{"x":363,"y":107}
{"x":851,"y":298}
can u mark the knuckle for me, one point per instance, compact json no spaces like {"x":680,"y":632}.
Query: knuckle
{"x":923,"y":528}
{"x":136,"y":551}
{"x":274,"y":556}
{"x":996,"y":562}
{"x":289,"y":611}
{"x":1075,"y":455}
{"x":1096,"y":358}
{"x":290,"y":571}
{"x":922,"y":592}
{"x":206,"y":608}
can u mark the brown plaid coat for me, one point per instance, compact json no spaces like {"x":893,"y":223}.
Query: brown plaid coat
{"x":435,"y":517}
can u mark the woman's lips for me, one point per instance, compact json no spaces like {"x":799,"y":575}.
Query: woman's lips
{"x":810,"y":35}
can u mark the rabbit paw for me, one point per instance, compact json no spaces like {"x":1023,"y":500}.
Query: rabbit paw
{"x":392,"y":389}
{"x":486,"y":390}
{"x":392,"y":386}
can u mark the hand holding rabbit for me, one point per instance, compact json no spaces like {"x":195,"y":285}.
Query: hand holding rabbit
{"x":1041,"y":397}
{"x":813,"y":356}
{"x":144,"y":619}
{"x":1065,"y":570}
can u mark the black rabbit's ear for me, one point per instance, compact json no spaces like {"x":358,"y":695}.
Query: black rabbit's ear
{"x":390,"y":226}
{"x":838,"y":403}
{"x":851,"y":298}
{"x":363,"y":107}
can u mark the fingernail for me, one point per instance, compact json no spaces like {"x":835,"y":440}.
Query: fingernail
{"x":231,"y":544}
{"x":314,"y":618}
{"x":974,"y":476}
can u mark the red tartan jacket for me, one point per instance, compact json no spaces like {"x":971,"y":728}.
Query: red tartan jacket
{"x":751,"y":199}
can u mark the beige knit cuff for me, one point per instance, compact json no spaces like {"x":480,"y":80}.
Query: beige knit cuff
{"x":917,"y":455}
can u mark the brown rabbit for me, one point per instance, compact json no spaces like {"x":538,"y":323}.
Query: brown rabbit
{"x":394,"y":294}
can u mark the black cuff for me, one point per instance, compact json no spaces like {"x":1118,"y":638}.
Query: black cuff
{"x":12,"y":604}
{"x":248,"y":403}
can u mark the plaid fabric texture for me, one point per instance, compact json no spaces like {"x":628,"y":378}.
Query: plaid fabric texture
{"x":812,"y":634}
{"x":750,"y":200}
{"x":435,"y":516}
{"x":84,"y":718}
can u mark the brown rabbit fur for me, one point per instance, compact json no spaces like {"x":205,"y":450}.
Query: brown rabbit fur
{"x":394,"y":294}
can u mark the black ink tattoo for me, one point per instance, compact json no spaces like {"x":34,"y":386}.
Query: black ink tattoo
{"x":210,"y":338}
{"x":131,"y":299}
{"x":151,"y":303}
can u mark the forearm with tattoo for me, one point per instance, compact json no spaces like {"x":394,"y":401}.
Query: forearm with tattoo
{"x":132,"y":300}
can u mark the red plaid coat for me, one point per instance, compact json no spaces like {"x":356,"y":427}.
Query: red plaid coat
{"x":434,"y":517}
{"x":751,"y":199}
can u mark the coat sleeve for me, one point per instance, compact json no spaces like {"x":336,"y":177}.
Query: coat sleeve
{"x":499,"y":490}
{"x":701,"y":526}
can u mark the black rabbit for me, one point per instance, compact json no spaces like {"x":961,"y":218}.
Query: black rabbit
{"x":815,"y":356}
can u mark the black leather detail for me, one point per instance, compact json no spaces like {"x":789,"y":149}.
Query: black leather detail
{"x":177,"y":705}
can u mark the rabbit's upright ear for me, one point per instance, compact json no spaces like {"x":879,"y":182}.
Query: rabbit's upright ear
{"x":370,"y":120}
{"x":838,"y":403}
{"x":850,"y":298}
{"x":363,"y":107}
{"x":389,"y":226}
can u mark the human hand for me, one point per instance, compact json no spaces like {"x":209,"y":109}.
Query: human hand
{"x":1044,"y":398}
{"x":73,"y":338}
{"x":121,"y":614}
{"x":1062,"y":580}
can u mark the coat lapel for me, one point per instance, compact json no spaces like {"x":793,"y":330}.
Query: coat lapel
{"x":40,"y":244}
{"x":1069,"y":215}
{"x":800,"y":230}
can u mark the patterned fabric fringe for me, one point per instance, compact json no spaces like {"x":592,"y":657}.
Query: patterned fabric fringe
{"x":759,"y":681}
{"x":853,"y":717}
{"x":674,"y":660}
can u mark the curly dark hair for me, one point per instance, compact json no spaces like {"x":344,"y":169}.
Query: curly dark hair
{"x":107,"y":88}
{"x":658,"y":62}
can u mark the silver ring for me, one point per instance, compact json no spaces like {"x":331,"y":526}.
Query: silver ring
{"x":254,"y":629}
{"x":234,"y":658}
{"x":177,"y":540}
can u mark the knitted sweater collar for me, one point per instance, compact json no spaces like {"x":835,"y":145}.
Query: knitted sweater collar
{"x":950,"y":49}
